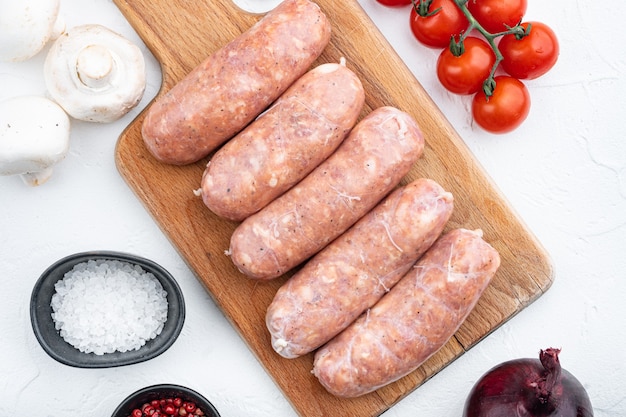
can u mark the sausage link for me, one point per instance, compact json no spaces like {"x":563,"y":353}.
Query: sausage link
{"x":369,"y":163}
{"x":355,"y":270}
{"x":231,"y":87}
{"x":305,"y":125}
{"x":413,"y":320}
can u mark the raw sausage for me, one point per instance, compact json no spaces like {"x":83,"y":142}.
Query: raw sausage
{"x":299,"y":131}
{"x":369,"y":163}
{"x":355,"y":270}
{"x":413,"y":320}
{"x":235,"y":84}
{"x":305,"y":125}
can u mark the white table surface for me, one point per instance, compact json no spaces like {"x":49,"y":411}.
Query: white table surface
{"x":564,"y":172}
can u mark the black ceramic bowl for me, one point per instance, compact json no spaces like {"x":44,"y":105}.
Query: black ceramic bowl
{"x":60,"y":350}
{"x":157,"y":392}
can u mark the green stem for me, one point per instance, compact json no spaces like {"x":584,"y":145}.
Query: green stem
{"x":490,"y":84}
{"x":422,"y":8}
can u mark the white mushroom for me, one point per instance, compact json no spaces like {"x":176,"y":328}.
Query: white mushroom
{"x":26,"y":26}
{"x":256,"y":6}
{"x":95,"y":74}
{"x":34,"y":136}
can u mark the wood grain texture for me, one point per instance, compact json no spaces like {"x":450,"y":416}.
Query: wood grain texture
{"x":182,"y":33}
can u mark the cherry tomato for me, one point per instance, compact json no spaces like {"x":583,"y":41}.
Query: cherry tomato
{"x":466,"y":73}
{"x":531,"y":56}
{"x":506,"y":109}
{"x":394,"y":2}
{"x":436,"y":30}
{"x":495,"y":15}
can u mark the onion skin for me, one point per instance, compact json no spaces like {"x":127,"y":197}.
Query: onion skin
{"x":528,"y":388}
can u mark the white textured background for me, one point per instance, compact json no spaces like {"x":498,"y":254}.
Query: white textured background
{"x":564,"y":172}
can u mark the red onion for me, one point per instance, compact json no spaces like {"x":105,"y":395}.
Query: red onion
{"x":529,"y":388}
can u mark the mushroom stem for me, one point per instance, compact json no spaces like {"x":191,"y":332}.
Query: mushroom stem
{"x":37,"y":178}
{"x":95,"y":74}
{"x":95,"y":66}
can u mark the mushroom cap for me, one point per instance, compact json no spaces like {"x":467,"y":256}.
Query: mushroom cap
{"x":34,"y":135}
{"x":25,"y":27}
{"x":95,"y":74}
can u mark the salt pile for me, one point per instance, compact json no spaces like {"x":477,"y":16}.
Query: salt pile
{"x":102,"y":306}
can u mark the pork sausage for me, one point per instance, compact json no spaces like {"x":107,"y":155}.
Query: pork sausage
{"x":355,"y":270}
{"x":413,"y":320}
{"x":235,"y":84}
{"x":305,"y":125}
{"x":368,"y":164}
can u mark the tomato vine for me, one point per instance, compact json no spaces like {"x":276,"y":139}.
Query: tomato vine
{"x":457,"y":47}
{"x":518,"y":31}
{"x":523,"y":50}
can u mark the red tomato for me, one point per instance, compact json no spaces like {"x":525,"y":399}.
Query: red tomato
{"x":436,"y":30}
{"x":506,"y":109}
{"x":495,"y":15}
{"x":466,"y":73}
{"x":394,"y":2}
{"x":533,"y":55}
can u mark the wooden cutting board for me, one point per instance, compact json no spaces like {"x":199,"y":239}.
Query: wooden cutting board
{"x":181,"y":33}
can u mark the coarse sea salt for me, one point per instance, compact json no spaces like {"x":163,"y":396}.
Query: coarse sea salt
{"x":102,"y":306}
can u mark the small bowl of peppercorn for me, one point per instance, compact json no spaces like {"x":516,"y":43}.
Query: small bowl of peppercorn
{"x":165,"y":400}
